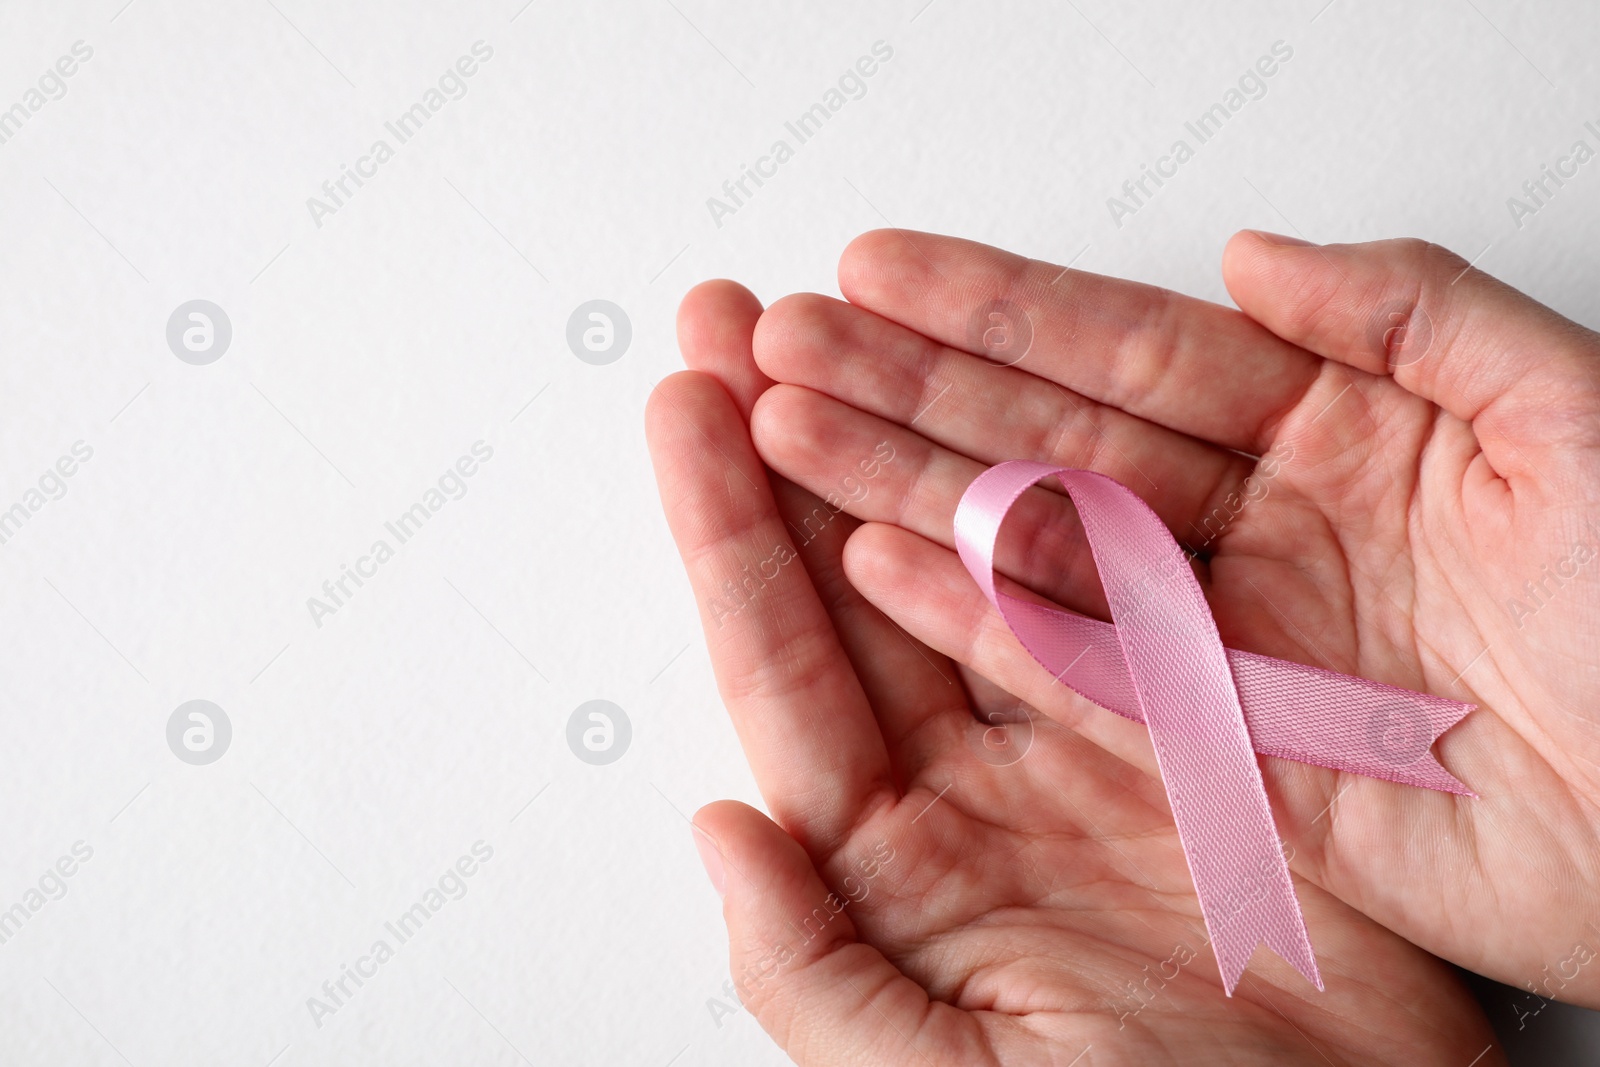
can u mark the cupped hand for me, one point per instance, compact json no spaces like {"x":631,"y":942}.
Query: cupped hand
{"x":1387,"y":465}
{"x":921,"y":894}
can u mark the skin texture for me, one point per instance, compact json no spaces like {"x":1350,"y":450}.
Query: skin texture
{"x":932,"y":887}
{"x":1423,"y":513}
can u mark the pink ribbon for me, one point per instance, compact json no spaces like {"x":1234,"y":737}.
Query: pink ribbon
{"x":1209,"y":708}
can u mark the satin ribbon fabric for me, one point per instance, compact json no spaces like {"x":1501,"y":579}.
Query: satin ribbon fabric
{"x":1209,"y":709}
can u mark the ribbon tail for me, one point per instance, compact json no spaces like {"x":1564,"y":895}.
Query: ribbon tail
{"x":1346,"y":723}
{"x":1243,"y":903}
{"x":1292,"y":711}
{"x":1274,"y":922}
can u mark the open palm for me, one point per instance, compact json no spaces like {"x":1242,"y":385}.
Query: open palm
{"x":1387,"y":467}
{"x":937,"y":888}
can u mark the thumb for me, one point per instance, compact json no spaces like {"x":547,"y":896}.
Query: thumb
{"x":1442,"y":329}
{"x":827,"y":999}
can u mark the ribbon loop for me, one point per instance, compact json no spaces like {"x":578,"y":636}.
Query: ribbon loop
{"x":1209,"y":709}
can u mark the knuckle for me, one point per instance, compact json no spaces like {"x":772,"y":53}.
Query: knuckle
{"x":1425,"y":259}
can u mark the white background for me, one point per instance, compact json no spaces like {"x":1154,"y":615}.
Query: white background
{"x":371,"y":351}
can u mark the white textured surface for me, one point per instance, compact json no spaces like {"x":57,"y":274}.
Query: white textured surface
{"x":375,"y":750}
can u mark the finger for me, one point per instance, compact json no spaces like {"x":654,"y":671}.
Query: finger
{"x":825,"y":997}
{"x":1420,"y":314}
{"x":920,"y":706}
{"x":801,"y":715}
{"x":917,"y":485}
{"x":716,"y":320}
{"x":915,"y":693}
{"x":1193,"y":366}
{"x":927,"y":590}
{"x":990,"y":413}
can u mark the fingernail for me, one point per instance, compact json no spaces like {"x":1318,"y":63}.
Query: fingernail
{"x":1280,"y":239}
{"x":710,"y":858}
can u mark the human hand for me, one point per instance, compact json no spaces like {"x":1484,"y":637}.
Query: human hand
{"x":1429,"y":443}
{"x":922,"y":898}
